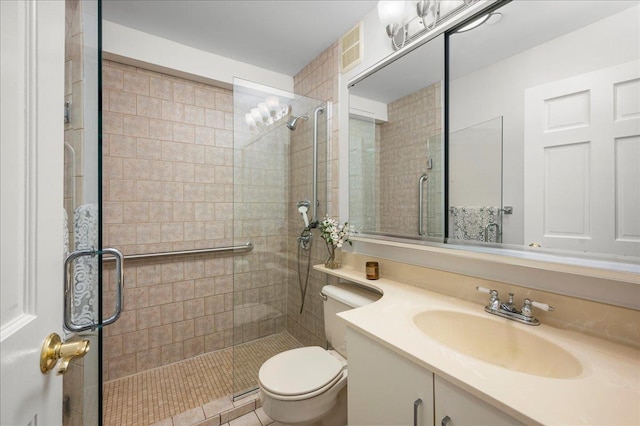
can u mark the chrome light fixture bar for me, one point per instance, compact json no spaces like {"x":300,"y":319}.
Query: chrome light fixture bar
{"x":398,"y":19}
{"x":406,"y":21}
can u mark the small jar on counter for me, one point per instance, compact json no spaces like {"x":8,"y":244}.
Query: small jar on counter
{"x":373,"y":272}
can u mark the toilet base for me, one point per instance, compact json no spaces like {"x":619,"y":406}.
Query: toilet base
{"x":336,"y":416}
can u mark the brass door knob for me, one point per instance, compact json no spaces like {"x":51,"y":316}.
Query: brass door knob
{"x":53,"y":350}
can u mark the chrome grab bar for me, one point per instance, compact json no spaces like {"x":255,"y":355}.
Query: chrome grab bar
{"x":421,"y":181}
{"x":315,"y":202}
{"x":69,"y":288}
{"x":235,"y":249}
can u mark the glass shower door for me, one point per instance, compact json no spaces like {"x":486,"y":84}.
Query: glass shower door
{"x":475,"y":155}
{"x":273,"y":181}
{"x":81,"y":382}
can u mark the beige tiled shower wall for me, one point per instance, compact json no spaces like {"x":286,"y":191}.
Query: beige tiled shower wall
{"x":318,"y":80}
{"x":413,"y":121}
{"x":74,"y":129}
{"x":364,"y":174}
{"x":167,"y":185}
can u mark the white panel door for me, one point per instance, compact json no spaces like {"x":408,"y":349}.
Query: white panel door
{"x":31,"y":169}
{"x":582,"y":162}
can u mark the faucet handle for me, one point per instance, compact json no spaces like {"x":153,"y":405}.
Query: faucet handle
{"x":527,"y":310}
{"x":494,"y":301}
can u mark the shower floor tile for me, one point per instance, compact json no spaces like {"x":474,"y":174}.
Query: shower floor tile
{"x":159,"y":394}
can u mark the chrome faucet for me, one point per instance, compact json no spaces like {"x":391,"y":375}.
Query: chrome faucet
{"x":509,"y":310}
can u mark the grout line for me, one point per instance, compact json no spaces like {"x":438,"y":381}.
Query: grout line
{"x":163,"y":392}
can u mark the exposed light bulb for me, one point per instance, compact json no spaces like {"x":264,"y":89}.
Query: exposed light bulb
{"x":257,"y":116}
{"x":248,"y":118}
{"x":272,"y":103}
{"x":266,"y":114}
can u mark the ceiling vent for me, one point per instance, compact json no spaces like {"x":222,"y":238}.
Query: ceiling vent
{"x":351,"y":48}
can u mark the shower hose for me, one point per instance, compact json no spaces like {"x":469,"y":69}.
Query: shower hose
{"x":304,"y":244}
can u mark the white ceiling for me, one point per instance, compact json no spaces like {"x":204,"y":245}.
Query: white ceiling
{"x":524,"y":25}
{"x":281,"y":36}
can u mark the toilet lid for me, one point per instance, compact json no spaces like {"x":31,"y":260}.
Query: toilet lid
{"x":299,"y":371}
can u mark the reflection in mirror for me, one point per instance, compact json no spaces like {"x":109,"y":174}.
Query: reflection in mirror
{"x":395,"y":147}
{"x":475,"y":210}
{"x":565,"y":78}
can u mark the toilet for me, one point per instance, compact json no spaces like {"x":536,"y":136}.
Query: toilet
{"x":303,"y":385}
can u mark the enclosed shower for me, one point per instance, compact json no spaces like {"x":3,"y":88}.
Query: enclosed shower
{"x":280,"y":192}
{"x":213,"y":196}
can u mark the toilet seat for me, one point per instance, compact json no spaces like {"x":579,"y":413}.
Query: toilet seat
{"x":300,"y":373}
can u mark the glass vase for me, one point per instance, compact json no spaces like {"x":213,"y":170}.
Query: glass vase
{"x":333,"y":261}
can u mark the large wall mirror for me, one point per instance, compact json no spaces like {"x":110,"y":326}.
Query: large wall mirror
{"x":543,"y":132}
{"x":396,"y":147}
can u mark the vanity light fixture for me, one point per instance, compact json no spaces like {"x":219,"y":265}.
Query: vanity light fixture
{"x":489,"y":19}
{"x":399,"y":20}
{"x":266,"y":113}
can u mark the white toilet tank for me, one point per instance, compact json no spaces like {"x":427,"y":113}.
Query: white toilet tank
{"x":342,"y":297}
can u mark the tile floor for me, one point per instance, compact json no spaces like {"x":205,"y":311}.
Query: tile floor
{"x":195,"y":391}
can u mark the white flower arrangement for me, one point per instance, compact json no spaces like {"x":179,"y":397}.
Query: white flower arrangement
{"x":334,"y":234}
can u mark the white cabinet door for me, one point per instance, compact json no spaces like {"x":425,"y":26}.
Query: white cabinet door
{"x":383,"y":386}
{"x":582,"y":157}
{"x":31,"y":220}
{"x":456,"y":407}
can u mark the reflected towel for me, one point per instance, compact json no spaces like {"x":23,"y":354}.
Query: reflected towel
{"x":469,"y":222}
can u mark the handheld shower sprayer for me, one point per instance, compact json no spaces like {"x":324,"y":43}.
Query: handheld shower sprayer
{"x":303,"y":208}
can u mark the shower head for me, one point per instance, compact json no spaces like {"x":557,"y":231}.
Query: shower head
{"x":291,"y":124}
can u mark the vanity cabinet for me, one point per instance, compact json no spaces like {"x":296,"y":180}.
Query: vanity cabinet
{"x":384,"y":386}
{"x":456,"y":407}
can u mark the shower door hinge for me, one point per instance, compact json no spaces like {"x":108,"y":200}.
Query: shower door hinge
{"x":67,"y":111}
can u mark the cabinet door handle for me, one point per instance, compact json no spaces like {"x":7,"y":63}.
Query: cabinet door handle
{"x":416,"y":404}
{"x":445,"y":421}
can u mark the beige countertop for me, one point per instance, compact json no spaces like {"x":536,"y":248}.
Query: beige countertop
{"x":606,"y":392}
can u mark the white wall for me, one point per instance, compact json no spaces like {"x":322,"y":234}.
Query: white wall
{"x":466,"y":171}
{"x":133,"y":47}
{"x":498,"y":90}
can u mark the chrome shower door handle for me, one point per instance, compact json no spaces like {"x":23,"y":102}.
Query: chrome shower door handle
{"x":421,"y":181}
{"x":69,"y":289}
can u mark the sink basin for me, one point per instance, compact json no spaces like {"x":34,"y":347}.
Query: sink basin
{"x":500,"y":342}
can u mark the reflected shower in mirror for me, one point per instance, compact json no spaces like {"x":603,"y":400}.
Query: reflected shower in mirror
{"x":475,"y":156}
{"x":395,"y":147}
{"x":565,"y":78}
